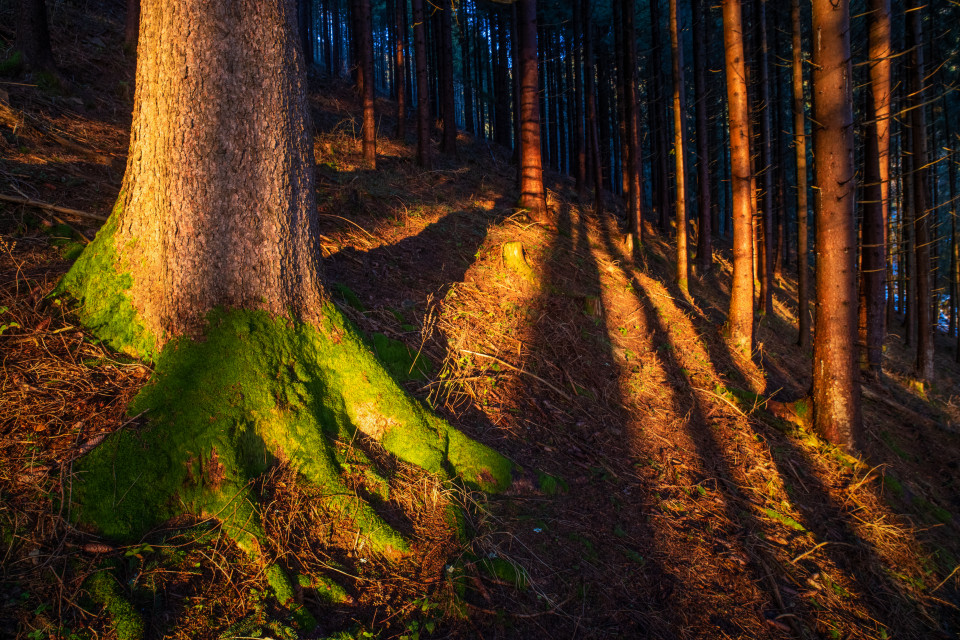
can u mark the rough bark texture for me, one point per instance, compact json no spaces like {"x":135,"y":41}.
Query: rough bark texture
{"x":33,"y":34}
{"x":679,"y":148}
{"x":740,"y":318}
{"x":873,"y":266}
{"x":423,"y":89}
{"x":532,"y":194}
{"x":925,"y":324}
{"x":365,"y":51}
{"x":218,"y":201}
{"x":701,"y":45}
{"x":836,"y":383}
{"x":448,"y":104}
{"x":800,"y":143}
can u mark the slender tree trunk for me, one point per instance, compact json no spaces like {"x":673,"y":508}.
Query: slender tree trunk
{"x":740,"y":317}
{"x":701,"y":44}
{"x":33,"y":35}
{"x":925,"y":324}
{"x":800,"y":143}
{"x":448,"y":103}
{"x":368,"y":89}
{"x":305,"y":20}
{"x":836,"y":383}
{"x":634,"y":179}
{"x":876,"y":192}
{"x":662,"y":195}
{"x":578,"y":79}
{"x":400,"y":19}
{"x":592,"y":124}
{"x":679,"y":148}
{"x":532,"y":194}
{"x":766,"y":170}
{"x":423,"y":89}
{"x":336,"y":60}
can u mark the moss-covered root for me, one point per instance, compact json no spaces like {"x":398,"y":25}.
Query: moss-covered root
{"x":124,"y":619}
{"x":254,"y":391}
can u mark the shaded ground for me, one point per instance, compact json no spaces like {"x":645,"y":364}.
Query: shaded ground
{"x":689,"y":506}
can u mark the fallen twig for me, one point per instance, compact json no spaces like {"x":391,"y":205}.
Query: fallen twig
{"x":518,"y":370}
{"x":53,"y":207}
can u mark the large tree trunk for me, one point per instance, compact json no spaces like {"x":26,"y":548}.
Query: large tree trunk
{"x":215,"y":234}
{"x":423,"y":89}
{"x":33,"y":35}
{"x":836,"y":383}
{"x":634,"y":180}
{"x":800,"y":143}
{"x":368,"y":88}
{"x":740,"y":318}
{"x":701,"y":45}
{"x":922,"y":240}
{"x":679,"y":148}
{"x":532,"y":194}
{"x":873,"y":268}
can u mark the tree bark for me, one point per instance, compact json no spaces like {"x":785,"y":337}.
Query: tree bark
{"x":33,"y":35}
{"x":766,"y":170}
{"x":368,"y":88}
{"x":448,"y":102}
{"x":800,"y":143}
{"x":532,"y":194}
{"x":593,"y":129}
{"x":701,"y":44}
{"x":634,"y":180}
{"x":400,"y":63}
{"x":922,"y":240}
{"x":873,"y":268}
{"x":740,"y":317}
{"x":424,"y":158}
{"x":836,"y":383}
{"x":679,"y":149}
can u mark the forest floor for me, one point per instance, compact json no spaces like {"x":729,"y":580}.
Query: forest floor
{"x":691,"y":500}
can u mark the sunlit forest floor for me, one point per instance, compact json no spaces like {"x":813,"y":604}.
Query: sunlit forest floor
{"x":691,"y":501}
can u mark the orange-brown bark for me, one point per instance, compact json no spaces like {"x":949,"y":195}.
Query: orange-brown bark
{"x":532,"y":194}
{"x":679,"y":149}
{"x":800,"y":144}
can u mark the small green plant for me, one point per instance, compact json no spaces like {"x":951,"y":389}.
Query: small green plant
{"x":7,"y":325}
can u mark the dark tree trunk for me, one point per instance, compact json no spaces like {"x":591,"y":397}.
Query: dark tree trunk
{"x":740,"y":318}
{"x":423,"y":90}
{"x":701,"y":45}
{"x":922,"y":239}
{"x":634,"y":180}
{"x":33,"y":35}
{"x":659,"y":122}
{"x":368,"y":88}
{"x":679,"y":149}
{"x":766,"y":169}
{"x":577,"y":77}
{"x":593,"y":129}
{"x":800,"y":144}
{"x":501,"y":108}
{"x":305,"y":23}
{"x":448,"y":102}
{"x":836,"y":383}
{"x":131,"y":27}
{"x":400,"y":19}
{"x":532,"y":194}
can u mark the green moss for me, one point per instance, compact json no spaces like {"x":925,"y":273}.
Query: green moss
{"x":400,"y":361}
{"x":329,"y":591}
{"x":12,"y":65}
{"x":506,"y":571}
{"x":124,"y":619}
{"x":890,"y":482}
{"x":551,"y":485}
{"x":348,"y":296}
{"x":254,"y":391}
{"x":96,"y":281}
{"x":785,"y":520}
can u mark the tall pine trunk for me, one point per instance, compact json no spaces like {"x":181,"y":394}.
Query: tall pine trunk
{"x":765,"y":221}
{"x":423,"y":89}
{"x":679,"y":149}
{"x":33,"y":35}
{"x":701,"y":45}
{"x":740,"y":317}
{"x":368,"y":87}
{"x":800,"y":144}
{"x":532,"y":194}
{"x":593,"y":127}
{"x":448,"y":101}
{"x":400,"y":19}
{"x":836,"y":383}
{"x":634,"y":180}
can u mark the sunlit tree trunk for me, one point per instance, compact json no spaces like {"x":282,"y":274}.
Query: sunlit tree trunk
{"x":701,"y":45}
{"x":800,"y":143}
{"x":922,"y":239}
{"x":836,"y":383}
{"x":679,"y":148}
{"x":873,"y":268}
{"x":740,"y":318}
{"x":33,"y":34}
{"x":423,"y":90}
{"x":532,"y":194}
